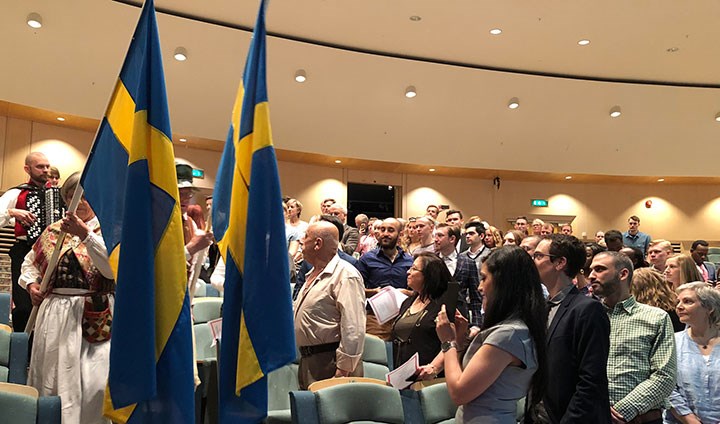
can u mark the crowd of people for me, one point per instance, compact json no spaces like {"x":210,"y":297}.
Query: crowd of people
{"x":619,"y":329}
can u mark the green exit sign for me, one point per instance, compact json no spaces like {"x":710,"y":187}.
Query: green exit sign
{"x":540,"y":203}
{"x":198,"y":173}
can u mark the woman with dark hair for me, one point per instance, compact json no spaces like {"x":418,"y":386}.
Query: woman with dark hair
{"x":414,"y":329}
{"x":636,"y":256}
{"x":506,"y":361}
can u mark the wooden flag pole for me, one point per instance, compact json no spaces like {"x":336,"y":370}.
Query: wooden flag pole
{"x":53,"y":260}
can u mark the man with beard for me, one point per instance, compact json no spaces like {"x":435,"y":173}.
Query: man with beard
{"x":641,"y":366}
{"x":13,"y":205}
{"x":386,"y":265}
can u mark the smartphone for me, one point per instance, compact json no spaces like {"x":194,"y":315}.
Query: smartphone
{"x":450,"y":299}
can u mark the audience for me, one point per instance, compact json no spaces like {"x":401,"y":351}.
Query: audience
{"x":597,"y":348}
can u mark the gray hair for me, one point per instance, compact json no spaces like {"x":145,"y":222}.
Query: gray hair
{"x":709,"y":299}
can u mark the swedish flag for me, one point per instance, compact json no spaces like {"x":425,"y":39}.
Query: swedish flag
{"x":130,"y":183}
{"x":258,"y":334}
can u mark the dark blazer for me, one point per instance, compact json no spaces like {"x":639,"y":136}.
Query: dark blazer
{"x":467,"y":275}
{"x":712,"y":272}
{"x":578,"y":344}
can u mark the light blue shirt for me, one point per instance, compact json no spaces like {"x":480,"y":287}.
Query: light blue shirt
{"x":698,"y":382}
{"x":639,"y":240}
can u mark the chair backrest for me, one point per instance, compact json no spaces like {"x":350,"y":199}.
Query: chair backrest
{"x":436,"y":404}
{"x":281,"y":382}
{"x":211,"y":291}
{"x":374,"y":357}
{"x":331,"y":382}
{"x":13,"y":357}
{"x":206,"y":309}
{"x":204,"y":348}
{"x":200,"y":289}
{"x":359,"y":402}
{"x":4,"y":308}
{"x":21,"y":405}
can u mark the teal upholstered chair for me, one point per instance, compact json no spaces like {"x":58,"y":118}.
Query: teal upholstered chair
{"x":13,"y":357}
{"x":436,"y":405}
{"x":345,"y":403}
{"x":281,"y":382}
{"x":375,"y":358}
{"x":21,"y":405}
{"x":206,"y":393}
{"x":5,"y":308}
{"x":206,"y":309}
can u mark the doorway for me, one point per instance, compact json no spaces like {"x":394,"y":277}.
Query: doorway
{"x":374,"y":200}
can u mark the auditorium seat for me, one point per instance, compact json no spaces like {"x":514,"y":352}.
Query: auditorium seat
{"x":375,"y":358}
{"x":22,"y":405}
{"x":5,"y":308}
{"x":206,"y":309}
{"x":345,"y":403}
{"x":435,"y":404}
{"x":13,"y":357}
{"x":281,"y":382}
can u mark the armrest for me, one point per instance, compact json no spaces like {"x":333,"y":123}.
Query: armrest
{"x":303,"y":408}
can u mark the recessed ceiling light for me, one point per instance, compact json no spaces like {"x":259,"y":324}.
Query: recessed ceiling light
{"x":60,"y":118}
{"x":583,"y":42}
{"x":415,"y":18}
{"x":514,"y":103}
{"x":672,"y":49}
{"x":431,"y":169}
{"x":300,"y":75}
{"x":183,"y":140}
{"x":717,"y":117}
{"x":410,"y":92}
{"x":496,"y":31}
{"x":615,"y":111}
{"x":661,"y":180}
{"x":569,"y":177}
{"x":34,"y":20}
{"x":180,"y":54}
{"x":338,"y":161}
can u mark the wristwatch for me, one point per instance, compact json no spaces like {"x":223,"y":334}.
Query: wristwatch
{"x":445,"y":346}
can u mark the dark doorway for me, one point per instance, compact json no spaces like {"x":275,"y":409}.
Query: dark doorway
{"x":373,"y":200}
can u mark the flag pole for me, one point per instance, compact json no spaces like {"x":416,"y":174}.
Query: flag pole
{"x":55,"y":257}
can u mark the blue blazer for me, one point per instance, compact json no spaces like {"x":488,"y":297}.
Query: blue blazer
{"x":578,"y":345}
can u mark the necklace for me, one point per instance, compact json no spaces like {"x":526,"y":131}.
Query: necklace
{"x":703,"y":345}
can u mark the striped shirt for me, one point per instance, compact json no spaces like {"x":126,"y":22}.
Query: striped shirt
{"x":642,"y":363}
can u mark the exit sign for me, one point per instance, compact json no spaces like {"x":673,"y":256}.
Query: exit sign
{"x":540,"y":203}
{"x":198,"y":173}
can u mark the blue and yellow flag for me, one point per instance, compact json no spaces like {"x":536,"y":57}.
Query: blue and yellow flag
{"x":131,"y":184}
{"x":257,"y":333}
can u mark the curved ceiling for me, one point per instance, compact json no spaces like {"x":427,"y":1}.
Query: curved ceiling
{"x":656,"y":60}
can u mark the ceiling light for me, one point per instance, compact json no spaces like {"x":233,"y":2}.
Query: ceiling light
{"x":183,"y":140}
{"x":583,"y":42}
{"x":569,"y":177}
{"x":415,"y":18}
{"x":410,"y":92}
{"x":514,"y":103}
{"x":496,"y":31}
{"x":338,"y":161}
{"x":661,"y":180}
{"x":300,"y":75}
{"x":431,"y":169}
{"x":60,"y":118}
{"x":717,"y":117}
{"x":180,"y":54}
{"x":615,"y":111}
{"x":34,"y":20}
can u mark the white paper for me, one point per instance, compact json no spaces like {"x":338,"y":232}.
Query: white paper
{"x":384,"y":305}
{"x":398,"y":378}
{"x":399,"y":297}
{"x":216,"y":330}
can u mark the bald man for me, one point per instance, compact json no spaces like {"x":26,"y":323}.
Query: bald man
{"x":329,"y":311}
{"x":14,"y":210}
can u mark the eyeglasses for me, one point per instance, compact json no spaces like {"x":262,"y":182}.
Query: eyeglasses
{"x":540,"y":255}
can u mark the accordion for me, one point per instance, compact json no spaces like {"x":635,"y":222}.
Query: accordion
{"x":46,"y":205}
